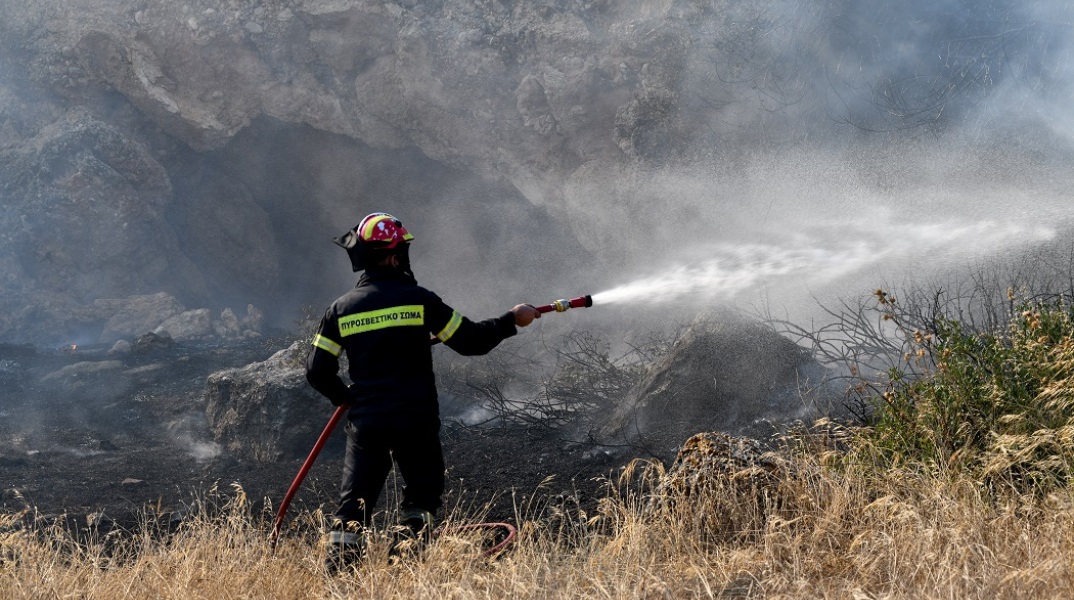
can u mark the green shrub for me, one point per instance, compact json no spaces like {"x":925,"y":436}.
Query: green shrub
{"x":998,"y":405}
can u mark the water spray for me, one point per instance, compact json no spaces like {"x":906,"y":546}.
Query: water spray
{"x":723,"y":271}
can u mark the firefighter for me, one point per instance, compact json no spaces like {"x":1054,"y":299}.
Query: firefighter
{"x":386,"y":326}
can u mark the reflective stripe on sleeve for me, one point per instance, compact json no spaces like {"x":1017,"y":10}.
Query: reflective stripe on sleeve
{"x":327,"y":345}
{"x":451,"y":327}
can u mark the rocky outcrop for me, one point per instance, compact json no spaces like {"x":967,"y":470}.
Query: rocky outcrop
{"x":201,"y":324}
{"x":709,"y":461}
{"x":547,"y":88}
{"x":204,"y":161}
{"x":266,"y":411}
{"x":524,"y":91}
{"x":83,"y":212}
{"x":128,"y":318}
{"x":56,"y":319}
{"x":205,"y":148}
{"x":728,"y":374}
{"x":724,"y":485}
{"x":516,"y":92}
{"x":192,"y":324}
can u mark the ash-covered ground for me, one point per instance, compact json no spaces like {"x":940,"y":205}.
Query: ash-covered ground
{"x":113,"y":440}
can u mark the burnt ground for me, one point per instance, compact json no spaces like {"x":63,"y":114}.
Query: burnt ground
{"x":90,"y":437}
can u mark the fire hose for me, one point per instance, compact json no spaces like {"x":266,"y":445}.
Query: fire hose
{"x":564,"y":305}
{"x":281,"y":513}
{"x":306,"y":466}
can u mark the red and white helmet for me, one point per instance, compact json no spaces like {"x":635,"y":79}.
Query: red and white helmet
{"x":366,"y":242}
{"x":381,"y":230}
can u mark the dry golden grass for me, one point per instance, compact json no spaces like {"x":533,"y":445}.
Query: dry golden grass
{"x":817,"y":532}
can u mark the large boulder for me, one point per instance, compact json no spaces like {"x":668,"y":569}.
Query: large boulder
{"x":128,"y":318}
{"x":728,"y":374}
{"x":189,"y":325}
{"x":712,"y":460}
{"x":215,"y":181}
{"x":84,"y":211}
{"x":84,"y":218}
{"x":59,"y":320}
{"x":266,"y":411}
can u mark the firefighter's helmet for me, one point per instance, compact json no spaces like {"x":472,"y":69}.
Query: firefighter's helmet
{"x":376,"y":236}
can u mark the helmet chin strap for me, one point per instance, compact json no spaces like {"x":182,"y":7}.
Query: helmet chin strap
{"x":366,"y":259}
{"x":403,"y":252}
{"x":402,"y":255}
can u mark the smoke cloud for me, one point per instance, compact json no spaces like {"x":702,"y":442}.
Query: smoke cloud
{"x":553,"y":149}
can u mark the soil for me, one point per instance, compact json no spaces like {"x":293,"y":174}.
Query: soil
{"x":96,"y":438}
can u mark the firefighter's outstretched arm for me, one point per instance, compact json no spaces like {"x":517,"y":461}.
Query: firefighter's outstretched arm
{"x":471,"y":338}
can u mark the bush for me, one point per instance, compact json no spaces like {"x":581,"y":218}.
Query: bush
{"x":996,"y":405}
{"x":575,"y":380}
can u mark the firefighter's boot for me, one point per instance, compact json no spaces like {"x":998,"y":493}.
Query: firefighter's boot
{"x":414,"y":532}
{"x":344,"y":547}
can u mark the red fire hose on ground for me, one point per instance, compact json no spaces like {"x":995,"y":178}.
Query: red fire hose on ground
{"x":281,"y":512}
{"x":306,"y":466}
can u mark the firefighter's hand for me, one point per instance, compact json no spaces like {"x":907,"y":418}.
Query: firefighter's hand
{"x":525,"y":314}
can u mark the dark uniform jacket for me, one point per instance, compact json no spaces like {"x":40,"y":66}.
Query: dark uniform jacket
{"x":386,"y":325}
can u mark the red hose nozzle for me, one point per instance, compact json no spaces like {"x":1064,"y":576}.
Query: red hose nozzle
{"x":562,"y":305}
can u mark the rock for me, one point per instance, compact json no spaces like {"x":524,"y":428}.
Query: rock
{"x":120,"y":347}
{"x":206,"y":177}
{"x":133,"y":316}
{"x":709,"y":460}
{"x":84,"y":368}
{"x":266,"y":411}
{"x":727,"y":484}
{"x":725,"y":374}
{"x":12,"y":374}
{"x":233,"y":242}
{"x":532,"y":104}
{"x":152,"y":342}
{"x":56,"y":317}
{"x":106,"y":194}
{"x":254,"y":319}
{"x":228,"y":326}
{"x":189,"y":325}
{"x":497,"y":85}
{"x":210,"y":146}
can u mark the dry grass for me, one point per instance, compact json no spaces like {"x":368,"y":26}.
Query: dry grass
{"x":817,"y":531}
